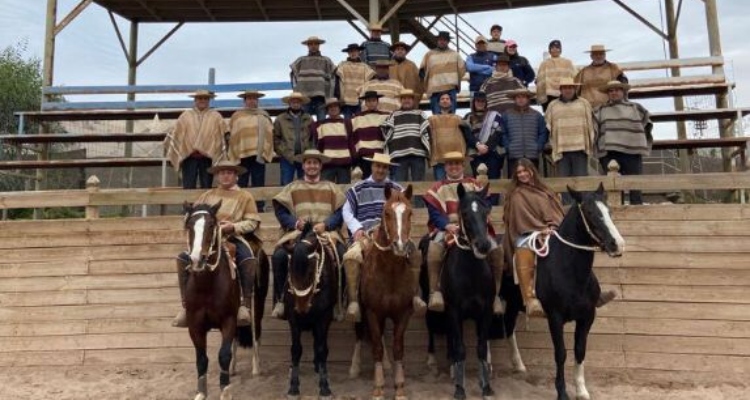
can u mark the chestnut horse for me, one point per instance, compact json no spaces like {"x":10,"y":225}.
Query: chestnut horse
{"x":387,"y":287}
{"x":213,"y":295}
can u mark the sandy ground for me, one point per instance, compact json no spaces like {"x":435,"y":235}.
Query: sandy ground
{"x":178,"y":382}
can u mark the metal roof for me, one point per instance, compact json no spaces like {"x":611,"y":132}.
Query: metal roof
{"x":290,"y":10}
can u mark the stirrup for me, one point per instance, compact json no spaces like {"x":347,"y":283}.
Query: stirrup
{"x":243,"y":316}
{"x":278,"y":311}
{"x":180,"y":321}
{"x":436,"y":302}
{"x":352,"y":312}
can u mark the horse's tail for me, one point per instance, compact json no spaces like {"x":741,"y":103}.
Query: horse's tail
{"x":245,"y":336}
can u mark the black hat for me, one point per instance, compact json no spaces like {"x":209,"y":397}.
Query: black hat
{"x":444,"y":35}
{"x":503,"y":58}
{"x":370,"y":94}
{"x":400,"y":44}
{"x":496,"y":26}
{"x":352,"y":46}
{"x":479,"y":95}
{"x":555,"y":43}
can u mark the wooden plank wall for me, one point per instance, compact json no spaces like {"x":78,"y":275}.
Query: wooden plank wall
{"x":103,"y":292}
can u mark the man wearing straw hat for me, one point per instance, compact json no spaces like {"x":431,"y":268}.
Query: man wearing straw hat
{"x":362,"y":212}
{"x":385,"y":85}
{"x":291,"y":136}
{"x":310,"y":199}
{"x":196,"y":141}
{"x":238,"y":220}
{"x":442,"y":70}
{"x":405,"y":70}
{"x":251,"y":141}
{"x":551,"y":71}
{"x":594,"y":76}
{"x":524,"y":130}
{"x":407,"y":140}
{"x":444,"y":226}
{"x":367,"y":138}
{"x":375,"y":49}
{"x":312,"y":75}
{"x":569,"y":120}
{"x":351,"y":74}
{"x":332,"y":137}
{"x":623,"y":133}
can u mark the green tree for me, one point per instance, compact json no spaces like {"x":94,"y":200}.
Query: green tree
{"x":20,"y":85}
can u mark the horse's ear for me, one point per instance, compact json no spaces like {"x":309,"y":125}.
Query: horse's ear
{"x":215,"y":208}
{"x":461,"y":191}
{"x":187,"y":207}
{"x":576,"y":195}
{"x":387,"y":191}
{"x":408,"y":192}
{"x":600,"y":189}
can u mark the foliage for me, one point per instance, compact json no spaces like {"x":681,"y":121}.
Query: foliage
{"x":20,"y":85}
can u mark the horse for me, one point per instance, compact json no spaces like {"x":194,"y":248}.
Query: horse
{"x":310,"y":300}
{"x":469,"y":288}
{"x":212,"y":296}
{"x":565,"y":282}
{"x":387,"y":288}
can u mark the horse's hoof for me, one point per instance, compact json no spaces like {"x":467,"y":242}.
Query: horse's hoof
{"x":583,"y":396}
{"x":519,"y":368}
{"x":378,"y":394}
{"x":226,"y":394}
{"x":325,"y":397}
{"x":460,"y":394}
{"x":292,"y":397}
{"x":488,"y":393}
{"x":354,"y":372}
{"x":200,"y":396}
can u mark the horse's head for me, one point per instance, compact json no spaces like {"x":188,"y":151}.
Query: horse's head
{"x":396,"y":220}
{"x":306,"y":255}
{"x":597,"y":220}
{"x":474,"y":211}
{"x":202,"y":228}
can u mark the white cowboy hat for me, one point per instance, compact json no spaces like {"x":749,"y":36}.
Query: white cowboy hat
{"x":381,"y":158}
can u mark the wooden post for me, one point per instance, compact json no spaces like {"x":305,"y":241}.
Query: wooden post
{"x":614,"y":195}
{"x":92,"y":186}
{"x":679,"y":104}
{"x":482,"y":177}
{"x":726,"y":126}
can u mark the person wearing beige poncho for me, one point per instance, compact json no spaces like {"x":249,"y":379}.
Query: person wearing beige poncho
{"x":196,"y":141}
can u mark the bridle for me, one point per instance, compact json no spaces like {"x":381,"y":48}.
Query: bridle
{"x":214,"y":248}
{"x":542,"y":250}
{"x":321,"y":259}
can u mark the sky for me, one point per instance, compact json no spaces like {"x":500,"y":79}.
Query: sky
{"x":88,"y":52}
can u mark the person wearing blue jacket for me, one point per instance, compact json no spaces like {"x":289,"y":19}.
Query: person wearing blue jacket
{"x":480,"y":65}
{"x":524,"y":130}
{"x":519,"y":64}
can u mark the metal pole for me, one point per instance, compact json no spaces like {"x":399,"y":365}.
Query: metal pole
{"x":129,"y":124}
{"x":679,"y":103}
{"x":714,"y":45}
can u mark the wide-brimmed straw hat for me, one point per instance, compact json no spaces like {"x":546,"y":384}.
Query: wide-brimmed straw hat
{"x":597,"y":48}
{"x":296,"y":95}
{"x":251,"y":93}
{"x":376,"y":27}
{"x":382,"y":63}
{"x":332,"y":101}
{"x":313,"y":39}
{"x":407,"y":93}
{"x":453,"y":156}
{"x":614,"y":85}
{"x":311,"y":153}
{"x":521,"y":92}
{"x":381,"y":158}
{"x":203,"y":93}
{"x":227,"y":165}
{"x":568,"y":82}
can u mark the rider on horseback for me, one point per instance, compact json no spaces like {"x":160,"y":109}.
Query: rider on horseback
{"x":444,"y":225}
{"x":238,"y":216}
{"x":308,"y":199}
{"x":530,"y":205}
{"x":362,"y":213}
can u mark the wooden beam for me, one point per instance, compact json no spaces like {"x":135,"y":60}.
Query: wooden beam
{"x":353,"y":12}
{"x":72,"y":15}
{"x":263,"y":9}
{"x":119,"y":35}
{"x":392,"y":11}
{"x":317,"y":10}
{"x":150,"y":10}
{"x":159,"y":43}
{"x":207,"y":10}
{"x":639,"y":17}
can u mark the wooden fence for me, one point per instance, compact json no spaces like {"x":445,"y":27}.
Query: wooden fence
{"x":102,"y":291}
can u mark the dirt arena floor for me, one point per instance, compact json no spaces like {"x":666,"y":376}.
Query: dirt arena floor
{"x":164,"y":382}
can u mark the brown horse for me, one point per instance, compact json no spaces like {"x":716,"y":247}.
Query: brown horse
{"x":388,"y":286}
{"x":213,"y":295}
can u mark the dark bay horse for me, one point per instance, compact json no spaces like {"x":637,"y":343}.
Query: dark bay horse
{"x":565,"y":281}
{"x":469,"y":289}
{"x":212,"y":296}
{"x":309,"y":301}
{"x":388,"y":286}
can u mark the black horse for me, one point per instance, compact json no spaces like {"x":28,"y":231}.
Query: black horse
{"x":565,"y":282}
{"x":310,"y":299}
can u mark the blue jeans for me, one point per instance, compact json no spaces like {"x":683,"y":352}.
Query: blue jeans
{"x":288,"y":170}
{"x":316,"y":107}
{"x":337,"y":174}
{"x":494,"y":163}
{"x":256,"y":173}
{"x":435,"y":101}
{"x":195,"y":169}
{"x":438,"y":171}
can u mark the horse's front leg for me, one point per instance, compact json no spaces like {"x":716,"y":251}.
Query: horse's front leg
{"x":201,"y":362}
{"x":296,"y":350}
{"x":555,"y":323}
{"x":320,"y":343}
{"x":399,"y":330}
{"x":583,"y":326}
{"x":458,"y":351}
{"x":376,"y":326}
{"x":225,"y":358}
{"x":483,"y":349}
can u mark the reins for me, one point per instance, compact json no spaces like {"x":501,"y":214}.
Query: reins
{"x":321,"y":256}
{"x":541,"y":247}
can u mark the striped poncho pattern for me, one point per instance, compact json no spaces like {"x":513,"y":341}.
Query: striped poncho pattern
{"x":407,"y":134}
{"x":366,"y":199}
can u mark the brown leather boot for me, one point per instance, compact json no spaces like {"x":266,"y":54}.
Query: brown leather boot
{"x":435,"y":255}
{"x":525,"y":266}
{"x":180,"y":321}
{"x":247,"y":270}
{"x":415,"y":266}
{"x":352,"y":266}
{"x":605,"y":297}
{"x":497,"y":263}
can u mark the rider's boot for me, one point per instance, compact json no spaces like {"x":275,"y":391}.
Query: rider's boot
{"x":180,"y":321}
{"x":525,"y":266}
{"x":280,"y":264}
{"x":605,"y":297}
{"x":352,"y":266}
{"x":497,"y":262}
{"x":415,"y":266}
{"x":247,"y":270}
{"x":435,"y":255}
